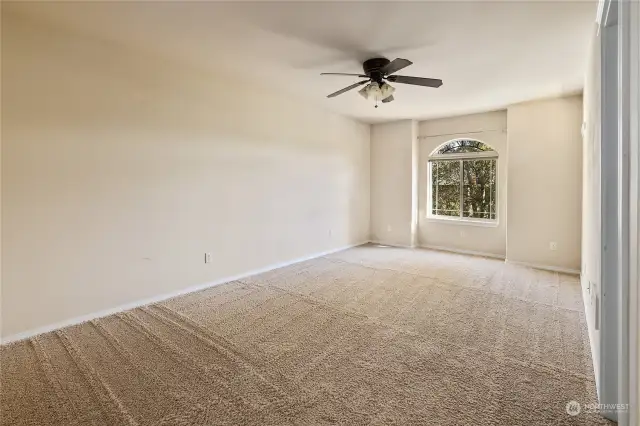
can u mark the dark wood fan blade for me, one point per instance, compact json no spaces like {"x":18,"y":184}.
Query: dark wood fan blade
{"x":346,"y":89}
{"x":342,"y":73}
{"x":417,"y":81}
{"x":387,"y":99}
{"x":395,"y":65}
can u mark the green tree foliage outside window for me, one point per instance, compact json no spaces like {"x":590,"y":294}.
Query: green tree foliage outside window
{"x":464,"y":186}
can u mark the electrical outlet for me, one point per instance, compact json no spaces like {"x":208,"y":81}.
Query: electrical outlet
{"x":207,"y":258}
{"x":553,"y":246}
{"x":388,"y":228}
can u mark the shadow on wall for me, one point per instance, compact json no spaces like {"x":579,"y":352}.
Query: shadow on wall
{"x":121,"y":169}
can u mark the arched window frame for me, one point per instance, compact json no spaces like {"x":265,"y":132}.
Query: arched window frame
{"x":489,"y":153}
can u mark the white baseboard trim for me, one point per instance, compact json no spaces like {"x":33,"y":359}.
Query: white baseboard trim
{"x":459,"y":251}
{"x":155,"y":299}
{"x":545,"y":267}
{"x":586,"y":301}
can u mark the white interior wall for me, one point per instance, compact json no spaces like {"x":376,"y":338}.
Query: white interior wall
{"x":540,"y":165}
{"x":415,"y":195}
{"x":489,"y":128}
{"x":591,"y":200}
{"x":464,"y":124}
{"x":392,"y":177}
{"x":544,"y":194}
{"x":121,"y":169}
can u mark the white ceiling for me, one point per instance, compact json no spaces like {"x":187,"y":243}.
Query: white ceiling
{"x":489,"y":54}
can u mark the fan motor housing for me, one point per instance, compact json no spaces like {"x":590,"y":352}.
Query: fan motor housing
{"x":373,"y":66}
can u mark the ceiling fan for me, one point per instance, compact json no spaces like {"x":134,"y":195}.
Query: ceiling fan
{"x":376,"y":71}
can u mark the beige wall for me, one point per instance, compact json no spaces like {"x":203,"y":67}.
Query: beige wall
{"x":464,"y":124}
{"x":539,"y":165}
{"x":545,"y":182}
{"x":489,"y":128}
{"x":121,"y":169}
{"x":392,"y":177}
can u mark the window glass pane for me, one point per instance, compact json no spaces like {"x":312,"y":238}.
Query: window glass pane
{"x":445,"y":188}
{"x":479,"y":188}
{"x":463,"y":145}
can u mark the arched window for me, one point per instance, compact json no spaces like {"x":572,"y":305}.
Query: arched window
{"x":463,"y":181}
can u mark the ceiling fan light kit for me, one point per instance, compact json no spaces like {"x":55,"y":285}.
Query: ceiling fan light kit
{"x":376,"y":92}
{"x":376,"y":71}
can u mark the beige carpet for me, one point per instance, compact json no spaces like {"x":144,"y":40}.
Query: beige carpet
{"x":368,"y":336}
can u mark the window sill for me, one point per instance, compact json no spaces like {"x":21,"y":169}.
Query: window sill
{"x":465,"y":222}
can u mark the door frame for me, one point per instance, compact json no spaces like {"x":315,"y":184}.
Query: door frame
{"x":619,"y":308}
{"x":610,"y":248}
